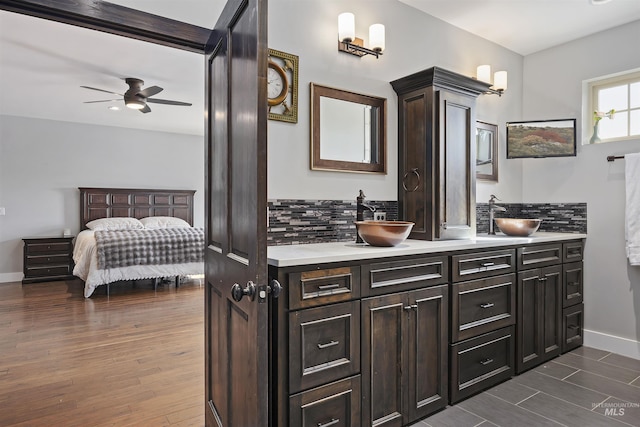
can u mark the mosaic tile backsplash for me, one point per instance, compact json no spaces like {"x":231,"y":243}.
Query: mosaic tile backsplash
{"x":317,"y":221}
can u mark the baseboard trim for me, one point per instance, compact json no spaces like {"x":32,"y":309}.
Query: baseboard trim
{"x":612,"y":343}
{"x":10,"y":277}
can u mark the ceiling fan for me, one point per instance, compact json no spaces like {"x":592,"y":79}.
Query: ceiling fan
{"x":136,"y":97}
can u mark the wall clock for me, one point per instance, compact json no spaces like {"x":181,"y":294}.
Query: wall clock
{"x":282,"y":86}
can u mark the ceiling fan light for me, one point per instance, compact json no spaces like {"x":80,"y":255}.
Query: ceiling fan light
{"x":135,"y":104}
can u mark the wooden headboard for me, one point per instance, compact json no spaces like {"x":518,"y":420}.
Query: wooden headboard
{"x":137,"y":203}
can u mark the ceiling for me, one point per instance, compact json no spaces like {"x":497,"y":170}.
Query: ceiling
{"x":44,"y":63}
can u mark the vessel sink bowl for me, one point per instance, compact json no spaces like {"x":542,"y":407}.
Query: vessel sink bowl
{"x":521,"y":227}
{"x":384,"y":233}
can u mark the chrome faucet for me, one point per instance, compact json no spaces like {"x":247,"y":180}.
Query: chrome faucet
{"x":360,"y":208}
{"x":492,"y":209}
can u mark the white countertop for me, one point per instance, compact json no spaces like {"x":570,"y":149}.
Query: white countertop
{"x":314,"y":253}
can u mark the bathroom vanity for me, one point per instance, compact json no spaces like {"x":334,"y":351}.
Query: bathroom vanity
{"x":366,"y":335}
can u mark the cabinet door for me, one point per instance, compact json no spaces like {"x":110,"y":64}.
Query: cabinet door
{"x":539,"y":334}
{"x":382,"y":359}
{"x":455,"y":162}
{"x":415,"y":157}
{"x":404,"y":356}
{"x":427,"y":352}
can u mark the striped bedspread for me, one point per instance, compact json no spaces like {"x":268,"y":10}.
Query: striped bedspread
{"x":124,"y":248}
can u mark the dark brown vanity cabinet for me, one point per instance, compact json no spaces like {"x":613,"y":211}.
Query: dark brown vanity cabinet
{"x":389,"y":341}
{"x":436,"y":153}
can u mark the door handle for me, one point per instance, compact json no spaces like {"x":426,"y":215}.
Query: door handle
{"x":237,"y":292}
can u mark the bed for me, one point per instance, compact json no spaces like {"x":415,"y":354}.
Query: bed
{"x":159,"y":212}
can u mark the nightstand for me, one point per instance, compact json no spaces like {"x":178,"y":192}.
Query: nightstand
{"x":48,"y":258}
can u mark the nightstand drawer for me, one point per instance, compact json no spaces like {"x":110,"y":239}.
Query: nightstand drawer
{"x":480,"y":306}
{"x":49,"y":248}
{"x":324,"y":344}
{"x":40,"y":260}
{"x":482,"y":264}
{"x":49,"y":271}
{"x":318,"y":287}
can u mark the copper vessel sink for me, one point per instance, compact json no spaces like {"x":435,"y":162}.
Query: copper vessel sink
{"x":384,"y":233}
{"x":518,"y":226}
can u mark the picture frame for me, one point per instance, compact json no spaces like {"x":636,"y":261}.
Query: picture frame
{"x":486,"y":151}
{"x":285,"y":108}
{"x":541,"y":138}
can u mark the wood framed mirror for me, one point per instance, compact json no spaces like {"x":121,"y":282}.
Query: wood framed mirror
{"x":486,"y":151}
{"x":348,"y":131}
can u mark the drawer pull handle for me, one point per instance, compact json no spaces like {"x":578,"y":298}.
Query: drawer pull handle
{"x":486,"y":362}
{"x":330,"y":286}
{"x":330,"y":423}
{"x":574,"y":327}
{"x":488,"y":264}
{"x":487,"y":305}
{"x":573,"y":283}
{"x":329,"y":344}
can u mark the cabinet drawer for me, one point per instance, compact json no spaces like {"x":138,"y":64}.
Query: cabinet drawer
{"x":48,"y":248}
{"x":481,"y":306}
{"x":573,"y":251}
{"x":572,"y":284}
{"x":318,"y":287}
{"x":539,"y":256}
{"x":53,"y":260}
{"x":572,"y":323}
{"x":395,"y":276}
{"x":324,"y":344}
{"x":333,"y":405}
{"x":46,"y":271}
{"x":482,"y":264}
{"x":481,"y":362}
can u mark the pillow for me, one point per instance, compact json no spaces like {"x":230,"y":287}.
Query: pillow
{"x":123,"y":223}
{"x":153,"y":222}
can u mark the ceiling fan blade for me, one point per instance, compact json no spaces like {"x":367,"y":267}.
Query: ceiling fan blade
{"x":104,"y":100}
{"x":168,"y":102}
{"x":102,"y":90}
{"x":150,"y":91}
{"x":146,"y":109}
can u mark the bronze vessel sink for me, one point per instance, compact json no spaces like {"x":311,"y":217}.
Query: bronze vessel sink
{"x":521,"y":227}
{"x":384,"y":233}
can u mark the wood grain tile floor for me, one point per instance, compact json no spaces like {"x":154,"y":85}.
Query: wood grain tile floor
{"x":136,"y":358}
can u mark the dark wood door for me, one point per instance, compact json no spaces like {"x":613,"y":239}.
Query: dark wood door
{"x":236,"y":332}
{"x":382,"y":360}
{"x":456,"y":188}
{"x":427,"y":354}
{"x":539,"y":316}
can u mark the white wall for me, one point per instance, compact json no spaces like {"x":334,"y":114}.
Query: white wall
{"x":43,"y":162}
{"x":553,"y":89}
{"x":414,"y":41}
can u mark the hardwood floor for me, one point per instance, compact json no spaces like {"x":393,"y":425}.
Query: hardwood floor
{"x":136,"y":358}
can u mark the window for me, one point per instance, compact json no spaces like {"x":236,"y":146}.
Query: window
{"x":622,"y":94}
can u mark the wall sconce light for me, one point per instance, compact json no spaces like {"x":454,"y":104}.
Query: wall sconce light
{"x":349,"y":43}
{"x":483,"y":73}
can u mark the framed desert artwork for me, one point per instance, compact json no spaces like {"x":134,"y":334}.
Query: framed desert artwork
{"x":541,"y":138}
